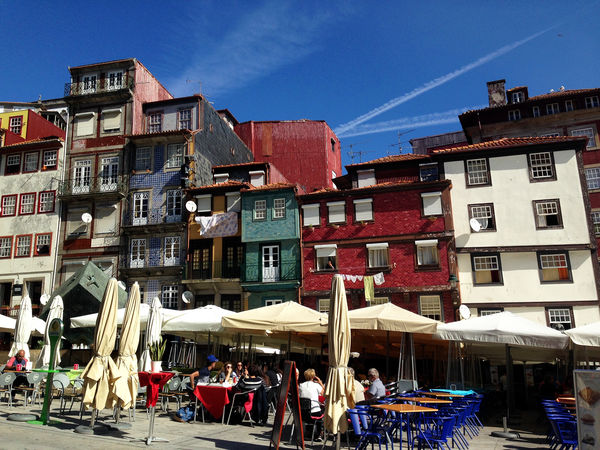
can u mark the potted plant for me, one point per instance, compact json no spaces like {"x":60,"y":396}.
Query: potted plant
{"x":157,"y":349}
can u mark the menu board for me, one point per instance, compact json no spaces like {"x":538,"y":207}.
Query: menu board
{"x":587,"y":397}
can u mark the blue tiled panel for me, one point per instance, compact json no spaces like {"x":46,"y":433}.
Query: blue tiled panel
{"x":154,"y":253}
{"x":152,"y":290}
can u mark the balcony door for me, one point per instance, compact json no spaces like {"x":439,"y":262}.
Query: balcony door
{"x":109,"y":174}
{"x":81,"y":176}
{"x":174,"y":206}
{"x":137,"y":255}
{"x":172,"y":251}
{"x":270,"y":263}
{"x":201,"y":259}
{"x":233,"y":257}
{"x":140,"y":208}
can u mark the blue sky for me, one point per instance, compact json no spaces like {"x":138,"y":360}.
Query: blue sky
{"x":370,"y":69}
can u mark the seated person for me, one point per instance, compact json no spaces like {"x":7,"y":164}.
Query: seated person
{"x":254,"y":380}
{"x":239,"y":370}
{"x":377,"y":389}
{"x":359,"y":389}
{"x":204,"y":373}
{"x":312,"y":388}
{"x":227,"y":375}
{"x":19,"y":358}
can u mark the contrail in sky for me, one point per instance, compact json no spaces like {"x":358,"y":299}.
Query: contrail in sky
{"x":341,"y":129}
{"x":425,"y":120}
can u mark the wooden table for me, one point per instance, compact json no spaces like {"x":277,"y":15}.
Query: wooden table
{"x":442,"y":394}
{"x":567,"y":400}
{"x":425,"y":400}
{"x":403,"y":408}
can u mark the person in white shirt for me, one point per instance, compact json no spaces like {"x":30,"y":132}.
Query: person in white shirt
{"x":359,"y":389}
{"x":312,"y":388}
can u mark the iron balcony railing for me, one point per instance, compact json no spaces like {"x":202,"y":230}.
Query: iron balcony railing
{"x":150,"y":260}
{"x":93,"y":185}
{"x":152,"y":217}
{"x":97,"y":86}
{"x":270,"y":272}
{"x":207,"y":270}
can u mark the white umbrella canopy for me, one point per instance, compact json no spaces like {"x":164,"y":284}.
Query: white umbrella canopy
{"x":389,"y":317}
{"x":89,"y":320}
{"x":339,"y":389}
{"x":587,"y":335}
{"x":153,"y":330}
{"x":125,"y":389}
{"x":7,"y":324}
{"x":101,"y":370}
{"x":22,"y":328}
{"x":200,"y":320}
{"x":503,"y":328}
{"x":56,"y":312}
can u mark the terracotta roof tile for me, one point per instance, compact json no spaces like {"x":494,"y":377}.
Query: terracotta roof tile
{"x":508,"y":142}
{"x":33,"y":141}
{"x":392,"y":158}
{"x":365,"y":188}
{"x":160,"y":133}
{"x":272,"y":186}
{"x":246,"y":164}
{"x":230,"y":183}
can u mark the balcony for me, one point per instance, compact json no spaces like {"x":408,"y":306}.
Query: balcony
{"x":207,"y":270}
{"x":143,"y":221}
{"x":145,"y":266}
{"x":90,"y":87}
{"x":271,"y":273}
{"x":80,"y":188}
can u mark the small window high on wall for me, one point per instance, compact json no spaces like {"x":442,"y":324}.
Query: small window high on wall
{"x":310,"y":215}
{"x":432,"y":203}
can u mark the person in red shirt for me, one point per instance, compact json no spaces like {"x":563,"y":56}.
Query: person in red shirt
{"x":19,"y":358}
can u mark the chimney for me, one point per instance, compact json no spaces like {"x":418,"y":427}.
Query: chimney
{"x":496,"y":93}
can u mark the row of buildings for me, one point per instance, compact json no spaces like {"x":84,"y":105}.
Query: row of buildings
{"x":180,"y":197}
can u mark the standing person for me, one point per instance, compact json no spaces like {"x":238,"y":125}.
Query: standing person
{"x":377,"y":389}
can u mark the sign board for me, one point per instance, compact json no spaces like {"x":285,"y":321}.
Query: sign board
{"x":17,"y":289}
{"x":288,"y":395}
{"x":587,"y":398}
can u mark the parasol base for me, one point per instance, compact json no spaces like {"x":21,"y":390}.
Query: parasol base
{"x":21,"y":417}
{"x":96,"y":429}
{"x":505,"y":434}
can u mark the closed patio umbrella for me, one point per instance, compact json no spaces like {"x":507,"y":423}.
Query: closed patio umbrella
{"x":125,"y":389}
{"x":339,"y":389}
{"x":22,"y":329}
{"x":153,"y":330}
{"x":101,"y":370}
{"x":56,"y":312}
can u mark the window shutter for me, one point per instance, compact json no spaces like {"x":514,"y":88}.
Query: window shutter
{"x":366,"y":178}
{"x":337,"y":212}
{"x":324,"y":251}
{"x":84,"y":124}
{"x":257,"y":178}
{"x":111,"y":119}
{"x":106,"y":219}
{"x":233,"y":201}
{"x":432,"y":203}
{"x":363,"y":209}
{"x":204,"y":203}
{"x":311,"y":215}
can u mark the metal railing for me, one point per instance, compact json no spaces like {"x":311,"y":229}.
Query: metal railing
{"x":207,"y":270}
{"x":152,"y":217}
{"x":284,"y":271}
{"x":149,"y":261}
{"x":97,"y":86}
{"x":93,"y":185}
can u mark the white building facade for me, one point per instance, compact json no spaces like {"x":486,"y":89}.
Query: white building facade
{"x":524,"y":239}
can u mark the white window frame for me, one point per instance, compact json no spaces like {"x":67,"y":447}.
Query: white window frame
{"x":483,"y":213}
{"x":336,"y":212}
{"x":477,"y":172}
{"x":6,"y":247}
{"x":323,"y":254}
{"x":270,"y":263}
{"x":109,"y":173}
{"x":559,"y":316}
{"x":541,"y":165}
{"x":431,"y":306}
{"x":50,"y":159}
{"x":175,"y":154}
{"x":363,"y":209}
{"x":323,"y":305}
{"x":432,"y":204}
{"x":428,"y":254}
{"x":137,"y":253}
{"x":310,"y":215}
{"x":143,"y":159}
{"x":592,"y":178}
{"x":259,"y":212}
{"x":589,"y":133}
{"x":23,"y":246}
{"x":46,"y":201}
{"x":33,"y":165}
{"x":89,"y":83}
{"x":489,"y":311}
{"x":154,"y":122}
{"x":279,"y":208}
{"x":173,"y":205}
{"x":82,"y":176}
{"x":13,"y":160}
{"x":487,"y":263}
{"x":16,"y":124}
{"x":518,"y":97}
{"x":273,"y":301}
{"x":141,"y":207}
{"x":545,"y":208}
{"x":596,"y":222}
{"x":550,"y":263}
{"x":170,"y":296}
{"x":114,"y":80}
{"x":9,"y":205}
{"x":27,"y":203}
{"x":172,"y":251}
{"x":378,"y":255}
{"x":183,"y":121}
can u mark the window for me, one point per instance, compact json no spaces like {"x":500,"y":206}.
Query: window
{"x":428,"y":172}
{"x":489,"y":312}
{"x":174,"y":156}
{"x":366,"y":178}
{"x":279,"y":208}
{"x":554,"y":267}
{"x":23,"y":247}
{"x":270,"y":263}
{"x":6,"y":246}
{"x":326,"y":256}
{"x":257,"y":178}
{"x":260,"y":210}
{"x":378,"y":255}
{"x":569,"y":105}
{"x":427,"y":253}
{"x":554,"y":134}
{"x":9,"y":205}
{"x":174,"y":205}
{"x":560,"y":318}
{"x":596,"y":222}
{"x":137,"y":254}
{"x":333,"y":145}
{"x":310,"y":215}
{"x":75,"y":227}
{"x":50,"y":159}
{"x":552,"y":108}
{"x":109,"y":174}
{"x":170,"y":296}
{"x":172,"y":251}
{"x":204,"y":204}
{"x":514,"y":114}
{"x":547,"y":213}
{"x":27,"y":204}
{"x":13,"y":164}
{"x":592,"y":176}
{"x":378,"y":301}
{"x":111,"y":120}
{"x":42,"y":244}
{"x":518,"y":97}
{"x":154,"y":122}
{"x":591,"y":102}
{"x":46,"y":202}
{"x":536,"y":111}
{"x":184,"y":119}
{"x":541,"y":166}
{"x":233,"y":201}
{"x":478,"y":173}
{"x":486,"y":269}
{"x":84,"y":124}
{"x":323,"y":305}
{"x":337,"y":212}
{"x":140,"y":208}
{"x":432,"y":203}
{"x":232,"y":302}
{"x":81,"y":176}
{"x":89,"y":84}
{"x":16,"y":124}
{"x":363,"y":210}
{"x":589,"y":132}
{"x":274,"y":301}
{"x":106,"y":218}
{"x":484,"y":213}
{"x":221,"y":178}
{"x":143,"y":159}
{"x":430,"y":306}
{"x":114,"y":80}
{"x":31,"y":162}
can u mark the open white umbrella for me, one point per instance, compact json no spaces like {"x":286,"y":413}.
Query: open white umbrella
{"x":200,"y":320}
{"x":126,"y":387}
{"x":7,"y":324}
{"x":339,"y":389}
{"x":153,"y":330}
{"x":89,"y":320}
{"x":587,"y":335}
{"x":101,"y":370}
{"x":22,"y":329}
{"x":56,"y":312}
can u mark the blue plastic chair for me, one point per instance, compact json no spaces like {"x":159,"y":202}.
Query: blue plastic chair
{"x":368,"y":434}
{"x":438,"y":435}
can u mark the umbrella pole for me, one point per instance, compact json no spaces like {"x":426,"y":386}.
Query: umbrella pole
{"x":509,"y":383}
{"x":413,"y":360}
{"x":289,"y":348}
{"x":400,"y":358}
{"x":450,"y":344}
{"x":387,"y":354}
{"x":93,"y":420}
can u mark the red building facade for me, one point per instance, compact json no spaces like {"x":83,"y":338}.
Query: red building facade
{"x":386,"y":219}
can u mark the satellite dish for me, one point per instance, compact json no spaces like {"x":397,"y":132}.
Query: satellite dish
{"x":44,"y":299}
{"x":464,"y":312}
{"x":187,"y":297}
{"x":475,"y":225}
{"x":86,"y":217}
{"x":191,"y":206}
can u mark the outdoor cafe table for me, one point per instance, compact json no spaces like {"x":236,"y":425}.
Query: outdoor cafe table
{"x":425,"y":400}
{"x":155,"y":382}
{"x":442,"y":394}
{"x":403,"y":408}
{"x":214,"y":397}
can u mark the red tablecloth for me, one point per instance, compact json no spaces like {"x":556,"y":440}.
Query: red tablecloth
{"x":154,"y":381}
{"x":214,"y":398}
